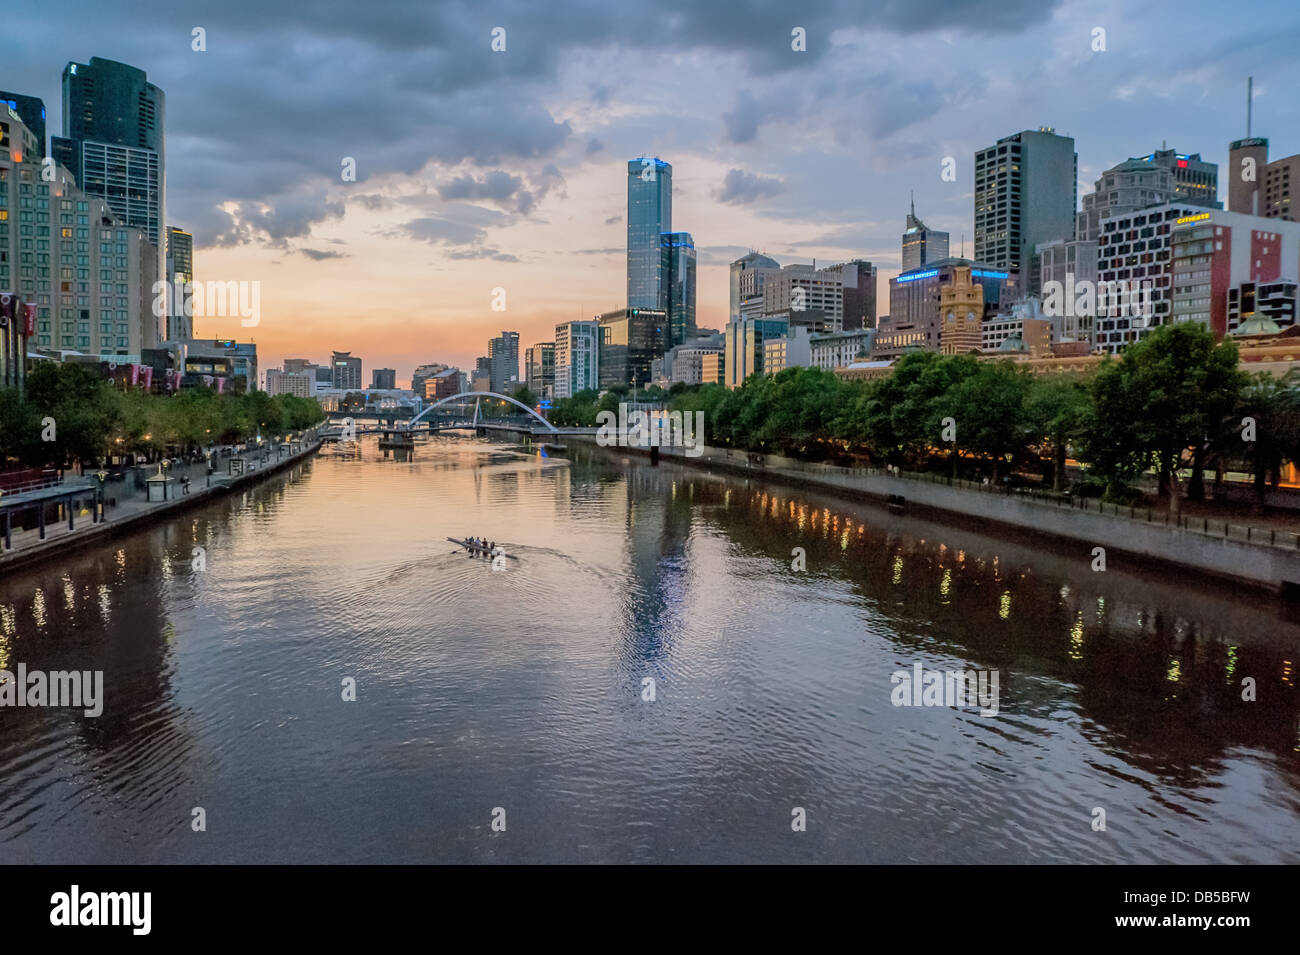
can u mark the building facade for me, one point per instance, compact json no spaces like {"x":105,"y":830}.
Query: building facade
{"x":1259,"y":187}
{"x":539,"y":364}
{"x":90,"y":275}
{"x":346,"y":371}
{"x":914,"y":303}
{"x":180,"y":278}
{"x":678,"y":268}
{"x":961,"y":313}
{"x":503,"y":361}
{"x":577,"y":357}
{"x":1229,"y":269}
{"x":384,"y":379}
{"x":744,"y":346}
{"x":921,"y":244}
{"x":748,"y":274}
{"x":630,"y":340}
{"x":1026,"y":193}
{"x":649,"y":216}
{"x":1133,"y":249}
{"x":114,"y":142}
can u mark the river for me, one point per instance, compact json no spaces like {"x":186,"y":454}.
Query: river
{"x":520,"y":697}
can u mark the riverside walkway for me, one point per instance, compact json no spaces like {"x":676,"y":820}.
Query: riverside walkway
{"x":125,"y":505}
{"x":1260,"y":555}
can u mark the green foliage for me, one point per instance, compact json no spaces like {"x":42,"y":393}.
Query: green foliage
{"x":1163,"y":398}
{"x":92,"y":420}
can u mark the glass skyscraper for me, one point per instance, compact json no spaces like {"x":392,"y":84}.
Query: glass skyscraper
{"x":649,"y":216}
{"x":678,"y":266}
{"x":113,"y":143}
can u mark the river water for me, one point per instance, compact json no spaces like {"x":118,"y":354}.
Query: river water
{"x":520,"y":695}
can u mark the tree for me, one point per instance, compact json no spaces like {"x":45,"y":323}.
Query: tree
{"x":1056,"y":409}
{"x":987,"y":410}
{"x":525,"y":397}
{"x":1159,"y":401}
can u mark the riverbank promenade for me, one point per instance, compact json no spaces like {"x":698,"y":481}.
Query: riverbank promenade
{"x":132,"y":503}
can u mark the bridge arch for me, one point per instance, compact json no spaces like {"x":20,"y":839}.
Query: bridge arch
{"x":483,"y":394}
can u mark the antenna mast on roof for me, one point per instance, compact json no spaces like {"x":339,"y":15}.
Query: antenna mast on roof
{"x":1250,"y":102}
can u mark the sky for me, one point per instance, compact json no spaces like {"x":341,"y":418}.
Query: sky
{"x":479,"y":170}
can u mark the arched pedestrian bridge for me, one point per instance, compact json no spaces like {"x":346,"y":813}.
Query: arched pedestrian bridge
{"x":478,"y":411}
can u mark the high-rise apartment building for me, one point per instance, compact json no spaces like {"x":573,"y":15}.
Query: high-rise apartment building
{"x":649,"y":216}
{"x":921,"y":244}
{"x":384,"y":379}
{"x":577,"y":357}
{"x":90,"y":275}
{"x":1026,"y":193}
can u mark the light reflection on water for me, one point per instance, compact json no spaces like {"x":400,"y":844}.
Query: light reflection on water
{"x":522,"y":688}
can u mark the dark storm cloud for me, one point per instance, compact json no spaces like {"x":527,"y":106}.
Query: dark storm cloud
{"x":261,"y":122}
{"x":740,"y":188}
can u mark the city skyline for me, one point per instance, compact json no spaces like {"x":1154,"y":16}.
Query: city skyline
{"x":450,"y":203}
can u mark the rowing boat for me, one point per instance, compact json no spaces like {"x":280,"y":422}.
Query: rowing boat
{"x":479,"y":549}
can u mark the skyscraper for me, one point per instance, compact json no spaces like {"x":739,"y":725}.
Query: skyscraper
{"x":678,"y":266}
{"x":383,"y":378}
{"x":1026,"y":193}
{"x":180,"y":275}
{"x":113,"y":142}
{"x":649,"y":216}
{"x":921,"y":244}
{"x":503,"y":361}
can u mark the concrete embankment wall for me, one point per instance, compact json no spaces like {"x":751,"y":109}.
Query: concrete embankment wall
{"x":1272,"y":567}
{"x":90,"y":534}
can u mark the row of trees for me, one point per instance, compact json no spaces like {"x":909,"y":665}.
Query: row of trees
{"x":1176,"y":399}
{"x":69,"y":415}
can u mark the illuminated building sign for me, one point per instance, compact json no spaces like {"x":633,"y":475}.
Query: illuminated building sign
{"x":1197,"y":218}
{"x":980,"y":274}
{"x":918,"y":275}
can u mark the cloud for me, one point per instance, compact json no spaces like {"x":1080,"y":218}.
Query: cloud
{"x":612,"y":219}
{"x":319,"y":254}
{"x":741,"y":188}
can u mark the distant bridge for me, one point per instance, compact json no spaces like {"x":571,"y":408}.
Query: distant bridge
{"x":442,"y":415}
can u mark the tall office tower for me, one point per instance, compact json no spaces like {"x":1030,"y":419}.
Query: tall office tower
{"x":384,"y":379}
{"x":649,"y":216}
{"x":1026,"y":193}
{"x":747,"y":276}
{"x":922,"y":244}
{"x":31,"y":110}
{"x":114,"y":142}
{"x":347,"y":371}
{"x":1259,"y":187}
{"x":678,"y":251}
{"x":577,"y":357}
{"x":503,"y":361}
{"x":180,"y":276}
